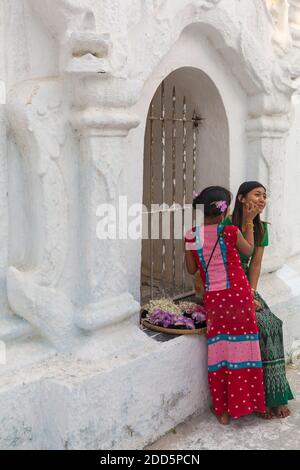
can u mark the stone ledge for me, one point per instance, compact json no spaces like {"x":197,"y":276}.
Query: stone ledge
{"x":120,"y":391}
{"x":203,"y":432}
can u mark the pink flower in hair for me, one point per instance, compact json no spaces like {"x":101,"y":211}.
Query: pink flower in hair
{"x":221,"y":205}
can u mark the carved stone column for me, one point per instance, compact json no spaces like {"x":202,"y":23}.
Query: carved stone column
{"x":267,"y":137}
{"x":103,"y":122}
{"x":3,"y":209}
{"x":294,"y":21}
{"x":3,"y":167}
{"x":38,"y":118}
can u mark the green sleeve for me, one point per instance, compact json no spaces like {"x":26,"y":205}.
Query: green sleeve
{"x":265,"y":240}
{"x":227,"y":221}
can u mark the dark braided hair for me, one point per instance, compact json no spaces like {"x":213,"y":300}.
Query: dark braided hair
{"x":209,"y":195}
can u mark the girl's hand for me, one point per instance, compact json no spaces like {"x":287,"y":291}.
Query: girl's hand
{"x":257,"y":305}
{"x":250,"y":210}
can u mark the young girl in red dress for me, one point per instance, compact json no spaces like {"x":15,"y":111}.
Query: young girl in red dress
{"x":234,"y":362}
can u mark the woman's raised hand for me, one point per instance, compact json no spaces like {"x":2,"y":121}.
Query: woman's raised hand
{"x":250,"y":210}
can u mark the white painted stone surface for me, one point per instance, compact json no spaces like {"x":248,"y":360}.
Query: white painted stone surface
{"x":79,"y":78}
{"x":110,"y":395}
{"x":202,"y":431}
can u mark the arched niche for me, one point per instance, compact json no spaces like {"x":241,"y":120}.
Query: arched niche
{"x":186,"y":148}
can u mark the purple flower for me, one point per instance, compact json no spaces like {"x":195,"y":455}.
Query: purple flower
{"x":189,"y":308}
{"x":198,"y":317}
{"x":222,"y":205}
{"x":166,"y":319}
{"x":186,"y":322}
{"x":162,"y":318}
{"x":200,"y":309}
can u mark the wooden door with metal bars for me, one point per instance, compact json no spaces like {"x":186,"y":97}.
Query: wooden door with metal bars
{"x":171,"y":140}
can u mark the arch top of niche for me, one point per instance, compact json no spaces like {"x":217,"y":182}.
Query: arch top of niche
{"x":142,"y":33}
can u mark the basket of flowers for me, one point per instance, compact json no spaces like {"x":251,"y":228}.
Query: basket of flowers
{"x":184,"y":318}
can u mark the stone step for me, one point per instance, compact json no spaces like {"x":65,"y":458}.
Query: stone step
{"x":203,"y":432}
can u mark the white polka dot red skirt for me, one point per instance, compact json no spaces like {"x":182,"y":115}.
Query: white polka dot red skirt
{"x":234,"y":361}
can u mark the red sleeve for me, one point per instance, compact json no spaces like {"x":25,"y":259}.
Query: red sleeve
{"x":231,"y":233}
{"x":190,"y":236}
{"x":190,"y":240}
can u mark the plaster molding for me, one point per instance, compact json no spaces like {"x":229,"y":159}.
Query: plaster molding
{"x":294,"y":22}
{"x":267,"y":139}
{"x":108,"y":58}
{"x":37,"y":116}
{"x":61,"y":17}
{"x":104,"y":122}
{"x":258,"y":69}
{"x":112,"y":51}
{"x":279,"y":12}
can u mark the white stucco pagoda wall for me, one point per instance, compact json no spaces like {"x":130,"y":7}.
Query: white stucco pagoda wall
{"x":79,"y":79}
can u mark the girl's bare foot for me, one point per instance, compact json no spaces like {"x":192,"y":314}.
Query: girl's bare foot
{"x":267,"y":415}
{"x":281,"y":411}
{"x":223,"y":419}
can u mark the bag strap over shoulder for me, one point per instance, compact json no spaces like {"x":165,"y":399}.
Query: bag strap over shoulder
{"x":211,"y":255}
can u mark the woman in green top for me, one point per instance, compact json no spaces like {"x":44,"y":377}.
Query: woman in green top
{"x":277,"y":389}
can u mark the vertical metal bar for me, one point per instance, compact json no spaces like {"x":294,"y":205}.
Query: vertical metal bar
{"x":164,"y":287}
{"x":184,"y":185}
{"x":163,"y":163}
{"x":173,"y":184}
{"x":151,"y":197}
{"x":195,"y":127}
